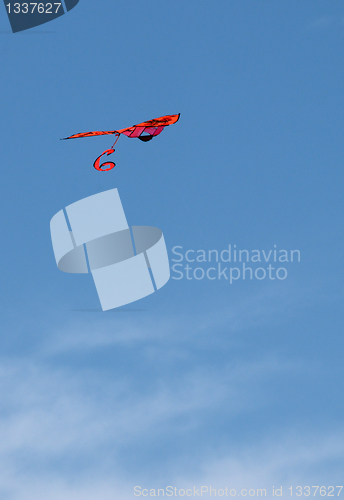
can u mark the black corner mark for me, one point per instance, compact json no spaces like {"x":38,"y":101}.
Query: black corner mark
{"x":24,"y":15}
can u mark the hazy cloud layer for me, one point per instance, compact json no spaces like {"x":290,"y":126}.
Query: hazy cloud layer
{"x":100,"y":406}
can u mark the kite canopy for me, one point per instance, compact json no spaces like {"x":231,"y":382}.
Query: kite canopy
{"x":144,"y":131}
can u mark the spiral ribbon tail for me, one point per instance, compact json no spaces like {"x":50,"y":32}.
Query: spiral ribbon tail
{"x":110,"y":164}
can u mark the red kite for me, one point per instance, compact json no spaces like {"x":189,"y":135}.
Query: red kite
{"x":144,"y":131}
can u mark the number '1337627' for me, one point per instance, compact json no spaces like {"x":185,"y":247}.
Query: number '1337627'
{"x":29,"y":8}
{"x":26,"y":15}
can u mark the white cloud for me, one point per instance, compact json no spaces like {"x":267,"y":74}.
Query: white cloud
{"x":75,"y":427}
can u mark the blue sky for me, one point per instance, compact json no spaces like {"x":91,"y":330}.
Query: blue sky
{"x":204,"y":382}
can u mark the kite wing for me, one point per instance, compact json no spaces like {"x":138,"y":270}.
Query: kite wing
{"x":144,"y":131}
{"x":89,"y":134}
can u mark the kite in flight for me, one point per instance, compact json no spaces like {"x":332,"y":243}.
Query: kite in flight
{"x":144,"y":131}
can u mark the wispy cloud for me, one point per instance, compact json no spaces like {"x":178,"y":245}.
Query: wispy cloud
{"x":99,"y":406}
{"x":321,"y":23}
{"x":93,"y":332}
